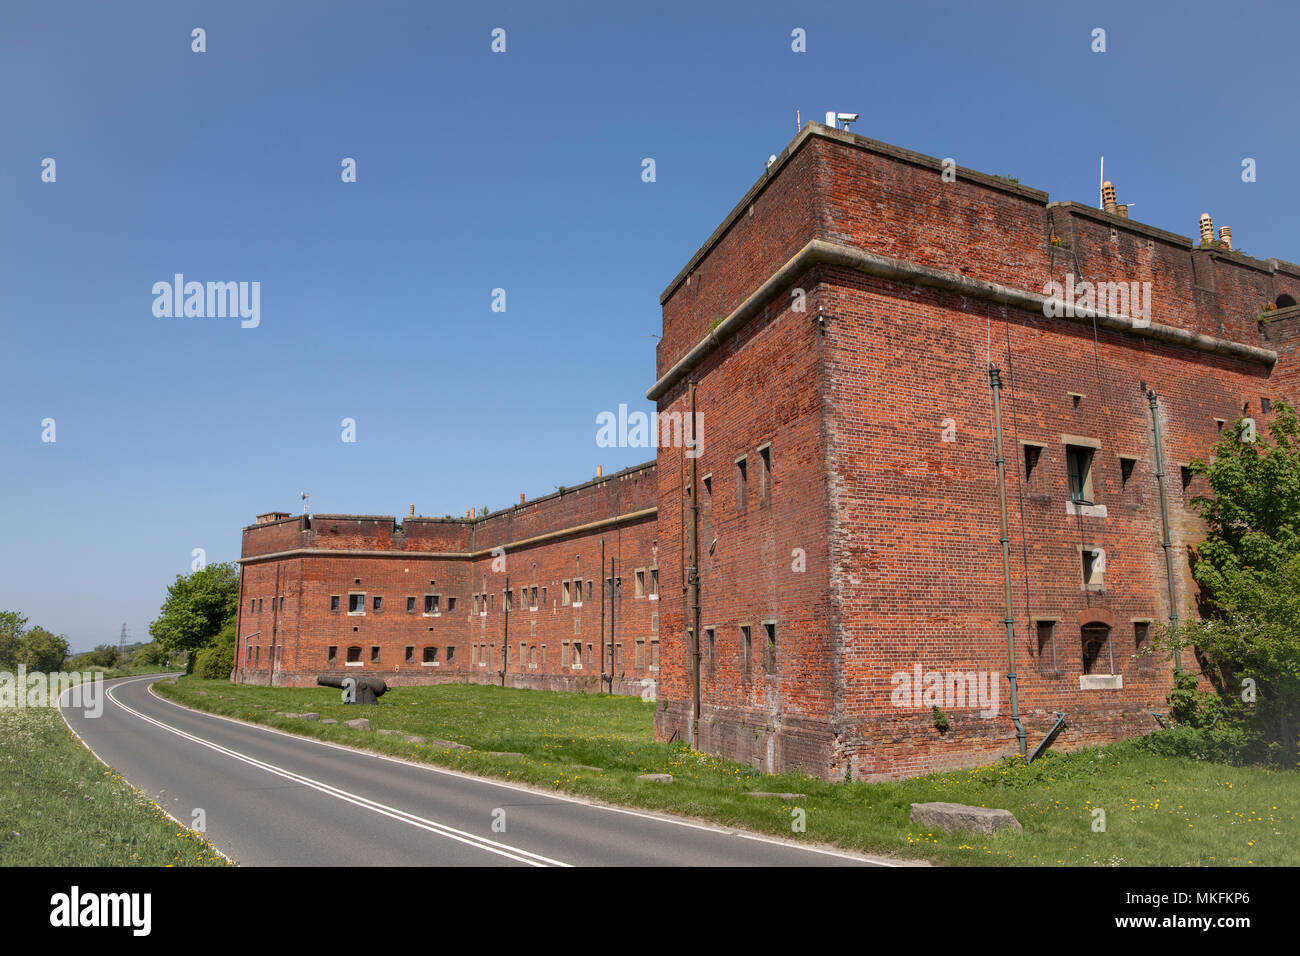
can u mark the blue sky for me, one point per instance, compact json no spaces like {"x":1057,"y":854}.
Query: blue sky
{"x":477,"y":171}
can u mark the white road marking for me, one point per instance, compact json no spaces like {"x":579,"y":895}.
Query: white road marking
{"x":536,"y":791}
{"x":432,"y":826}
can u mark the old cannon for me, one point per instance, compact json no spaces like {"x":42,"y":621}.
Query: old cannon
{"x":357,"y":690}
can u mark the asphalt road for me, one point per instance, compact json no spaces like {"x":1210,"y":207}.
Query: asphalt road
{"x":271,"y":798}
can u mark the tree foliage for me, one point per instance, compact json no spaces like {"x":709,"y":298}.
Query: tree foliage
{"x":198,"y":605}
{"x":1248,"y":568}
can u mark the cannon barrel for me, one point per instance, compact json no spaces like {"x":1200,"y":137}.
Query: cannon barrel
{"x":368,"y":689}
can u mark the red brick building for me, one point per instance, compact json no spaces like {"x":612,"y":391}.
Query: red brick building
{"x":515,"y":597}
{"x":837,"y":332}
{"x":836,"y":335}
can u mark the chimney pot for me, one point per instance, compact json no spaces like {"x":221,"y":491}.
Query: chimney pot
{"x":1207,"y":228}
{"x":521,"y":497}
{"x":1122,"y":210}
{"x":1108,"y":196}
{"x":412,"y":511}
{"x":598,"y":471}
{"x":1225,"y":235}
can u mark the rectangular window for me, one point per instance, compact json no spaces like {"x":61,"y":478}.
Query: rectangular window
{"x":378,"y":603}
{"x":564,"y":595}
{"x":564,"y":653}
{"x":430,"y":655}
{"x":410,"y":605}
{"x":533,"y":599}
{"x":742,"y":484}
{"x":640,"y":654}
{"x":1046,"y":646}
{"x":356,"y":604}
{"x":1033,"y":453}
{"x":1093,"y":561}
{"x":451,"y":654}
{"x":654,"y":655}
{"x":1126,"y":469}
{"x":374,"y":653}
{"x":654,"y":584}
{"x":765,"y":476}
{"x":410,"y":653}
{"x":431,"y":605}
{"x":640,"y":582}
{"x":588,"y":589}
{"x":1079,"y":464}
{"x":332,"y":656}
{"x":746,"y":650}
{"x":451,"y":604}
{"x":577,"y":592}
{"x":334,"y":602}
{"x":1142,"y":643}
{"x":577,"y":655}
{"x":354,"y":655}
{"x":281,"y":605}
{"x":543,"y":595}
{"x":770,"y":628}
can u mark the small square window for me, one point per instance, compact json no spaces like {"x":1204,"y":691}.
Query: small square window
{"x":378,"y":603}
{"x":451,"y":604}
{"x":430,"y":655}
{"x":410,"y":605}
{"x":354,"y":654}
{"x":431,"y":604}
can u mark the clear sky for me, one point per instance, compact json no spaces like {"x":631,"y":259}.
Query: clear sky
{"x":476,"y":171}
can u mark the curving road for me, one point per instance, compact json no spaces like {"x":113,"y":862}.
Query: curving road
{"x":271,"y":798}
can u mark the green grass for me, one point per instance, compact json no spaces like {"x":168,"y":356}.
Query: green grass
{"x":1160,"y":811}
{"x":59,"y":806}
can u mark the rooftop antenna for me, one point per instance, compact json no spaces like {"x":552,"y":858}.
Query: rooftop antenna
{"x":797,"y":124}
{"x":1101,"y":188}
{"x":305,"y":496}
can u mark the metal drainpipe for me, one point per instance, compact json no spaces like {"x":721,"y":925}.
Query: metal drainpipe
{"x":995,"y":382}
{"x":505,"y":634}
{"x":1164,"y":521}
{"x":693,"y":584}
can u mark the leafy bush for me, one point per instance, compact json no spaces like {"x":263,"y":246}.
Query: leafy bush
{"x":1222,"y":743}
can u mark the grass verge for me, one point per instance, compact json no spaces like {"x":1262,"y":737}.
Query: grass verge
{"x":59,"y":806}
{"x":1159,"y":811}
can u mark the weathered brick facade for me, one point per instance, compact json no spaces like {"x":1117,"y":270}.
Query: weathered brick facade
{"x":838,"y":329}
{"x":310,"y":583}
{"x":864,"y":535}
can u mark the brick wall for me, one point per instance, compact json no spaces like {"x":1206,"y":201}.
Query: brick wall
{"x":294,"y":569}
{"x":899,"y":526}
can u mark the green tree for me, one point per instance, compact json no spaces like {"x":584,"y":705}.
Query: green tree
{"x":12,"y":626}
{"x":1249,"y":571}
{"x":197,"y":607}
{"x":39,"y":650}
{"x":217,"y":659}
